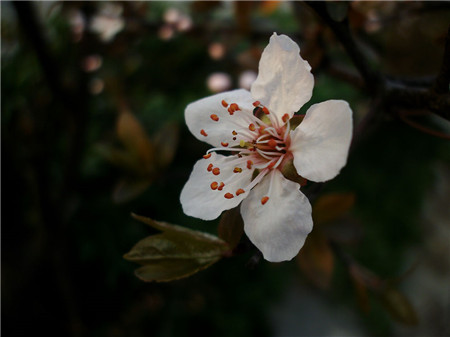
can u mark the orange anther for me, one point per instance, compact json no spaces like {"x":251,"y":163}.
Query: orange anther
{"x":264,"y":200}
{"x":272,"y":164}
{"x":214,"y":117}
{"x":237,"y":170}
{"x":229,"y":196}
{"x":210,"y":167}
{"x":265,"y":110}
{"x":285,"y":118}
{"x":231,"y":111}
{"x":220,"y":188}
{"x":234,"y":106}
{"x":224,"y":104}
{"x":234,"y":138}
{"x":224,"y":144}
{"x":249,"y":164}
{"x":216,"y":171}
{"x":214,"y":185}
{"x":240,"y":191}
{"x":256,"y":103}
{"x":234,"y":133}
{"x":206,"y":156}
{"x":252,"y":127}
{"x":203,"y":133}
{"x":272,"y":143}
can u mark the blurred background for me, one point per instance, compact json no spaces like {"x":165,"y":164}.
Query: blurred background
{"x":93,"y":97}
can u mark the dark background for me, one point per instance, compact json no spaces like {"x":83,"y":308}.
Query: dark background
{"x":73,"y":171}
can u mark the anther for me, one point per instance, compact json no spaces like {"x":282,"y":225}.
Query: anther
{"x":216,"y":171}
{"x":234,"y":133}
{"x":285,"y":118}
{"x":214,"y":117}
{"x":229,"y":196}
{"x":237,"y":170}
{"x":224,"y":144}
{"x":234,"y":106}
{"x":249,"y":164}
{"x":256,"y":103}
{"x":265,"y":110}
{"x":231,"y":111}
{"x":224,"y":104}
{"x":210,"y":167}
{"x":239,"y":191}
{"x":214,"y":185}
{"x":264,"y":200}
{"x":272,"y":164}
{"x":221,"y":186}
{"x":206,"y":156}
{"x":234,"y":138}
{"x":252,"y":127}
{"x":203,"y":133}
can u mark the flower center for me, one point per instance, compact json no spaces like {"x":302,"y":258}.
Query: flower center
{"x":263,"y":145}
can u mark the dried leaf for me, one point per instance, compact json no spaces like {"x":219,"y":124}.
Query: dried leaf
{"x":231,"y":227}
{"x":175,"y":253}
{"x":133,"y":136}
{"x":399,"y":306}
{"x":332,"y":206}
{"x":166,"y":142}
{"x":127,"y":190}
{"x":316,"y":260}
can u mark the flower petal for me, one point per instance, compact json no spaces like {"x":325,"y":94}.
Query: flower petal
{"x":198,"y":117}
{"x":320,"y":143}
{"x":284,"y":82}
{"x":199,"y":200}
{"x":280,"y":226}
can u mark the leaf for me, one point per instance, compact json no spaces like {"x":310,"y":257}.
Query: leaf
{"x":231,"y":227}
{"x":175,"y":253}
{"x":133,"y":136}
{"x":316,"y":260}
{"x":399,"y":306}
{"x":127,"y":190}
{"x":165,"y":142}
{"x":332,"y":206}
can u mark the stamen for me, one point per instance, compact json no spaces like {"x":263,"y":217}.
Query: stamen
{"x":210,"y":167}
{"x":214,"y":117}
{"x":203,"y":133}
{"x":256,"y":103}
{"x":234,"y":138}
{"x":249,"y":164}
{"x":235,"y":107}
{"x":234,"y":133}
{"x":237,"y":170}
{"x":216,"y":171}
{"x":231,"y":111}
{"x":264,"y":200}
{"x":214,"y":185}
{"x":239,"y":191}
{"x":229,"y":196}
{"x":224,"y":144}
{"x":265,"y":110}
{"x":285,"y":118}
{"x":220,"y":188}
{"x":206,"y":156}
{"x":224,"y":104}
{"x":252,"y":127}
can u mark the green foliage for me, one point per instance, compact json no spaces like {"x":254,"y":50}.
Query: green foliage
{"x":175,"y":253}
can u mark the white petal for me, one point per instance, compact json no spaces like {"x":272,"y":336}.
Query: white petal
{"x":284,"y":81}
{"x":279,"y":227}
{"x":198,"y":117}
{"x":200,"y":201}
{"x":320,"y":143}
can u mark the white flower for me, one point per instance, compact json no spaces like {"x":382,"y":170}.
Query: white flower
{"x":255,"y":128}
